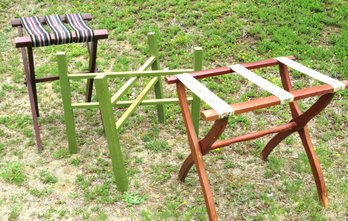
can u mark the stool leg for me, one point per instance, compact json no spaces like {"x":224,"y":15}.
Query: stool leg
{"x":29,"y":77}
{"x":32,"y":77}
{"x":92,"y":51}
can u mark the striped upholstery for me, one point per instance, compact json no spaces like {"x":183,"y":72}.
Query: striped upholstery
{"x":61,"y":32}
{"x":39,"y":36}
{"x":83,"y":32}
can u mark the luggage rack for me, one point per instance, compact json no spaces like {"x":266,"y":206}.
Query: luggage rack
{"x":221,"y":111}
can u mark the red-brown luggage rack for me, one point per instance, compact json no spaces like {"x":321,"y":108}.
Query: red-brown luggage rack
{"x":221,"y":112}
{"x":26,"y":44}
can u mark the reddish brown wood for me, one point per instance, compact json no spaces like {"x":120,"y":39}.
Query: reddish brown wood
{"x":45,"y":79}
{"x":196,"y":152}
{"x":17,"y":22}
{"x":260,"y":103}
{"x":251,"y":136}
{"x":205,"y":143}
{"x":300,"y":121}
{"x":26,"y":41}
{"x":92,"y":51}
{"x":304,"y":135}
{"x":226,"y":70}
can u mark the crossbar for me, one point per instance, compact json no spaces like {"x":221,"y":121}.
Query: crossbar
{"x":87,"y":105}
{"x":153,"y":73}
{"x":131,"y":81}
{"x":210,"y":115}
{"x":226,"y":70}
{"x":136,"y":103}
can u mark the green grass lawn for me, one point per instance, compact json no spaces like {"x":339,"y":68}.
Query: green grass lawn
{"x":54,"y":185}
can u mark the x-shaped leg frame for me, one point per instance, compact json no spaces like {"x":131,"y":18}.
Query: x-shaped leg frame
{"x":201,"y":147}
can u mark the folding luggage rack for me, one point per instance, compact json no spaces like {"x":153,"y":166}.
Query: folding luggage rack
{"x":221,"y":111}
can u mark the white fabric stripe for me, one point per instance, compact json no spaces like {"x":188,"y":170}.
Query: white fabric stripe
{"x":337,"y":85}
{"x":220,"y":106}
{"x":25,"y":22}
{"x":282,"y":94}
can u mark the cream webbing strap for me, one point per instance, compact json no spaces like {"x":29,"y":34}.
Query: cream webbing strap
{"x":220,"y":106}
{"x":283,"y":95}
{"x":337,"y":85}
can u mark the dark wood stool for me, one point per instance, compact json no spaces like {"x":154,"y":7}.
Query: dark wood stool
{"x":39,"y":37}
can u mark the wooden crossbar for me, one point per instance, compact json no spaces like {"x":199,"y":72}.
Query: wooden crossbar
{"x":131,"y":81}
{"x":152,"y":73}
{"x":251,"y":105}
{"x":225,"y":70}
{"x":136,"y":103}
{"x":89,"y":105}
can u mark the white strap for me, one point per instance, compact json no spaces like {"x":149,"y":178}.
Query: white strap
{"x":337,"y":85}
{"x":283,"y":95}
{"x":220,"y":106}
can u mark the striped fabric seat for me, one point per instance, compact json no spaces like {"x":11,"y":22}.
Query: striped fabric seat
{"x":61,"y":32}
{"x":39,"y":36}
{"x":83,"y":32}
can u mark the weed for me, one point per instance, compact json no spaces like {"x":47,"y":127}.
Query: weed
{"x":47,"y":177}
{"x":13,"y":172}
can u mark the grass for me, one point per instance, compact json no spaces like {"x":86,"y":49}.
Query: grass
{"x":54,"y":185}
{"x":13,"y":173}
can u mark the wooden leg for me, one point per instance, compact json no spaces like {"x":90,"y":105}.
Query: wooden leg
{"x":196,"y":153}
{"x":32,"y":93}
{"x":214,"y":133}
{"x":304,"y":135}
{"x":92,"y":51}
{"x":315,"y":166}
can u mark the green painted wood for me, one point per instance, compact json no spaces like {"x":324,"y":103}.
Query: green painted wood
{"x":136,"y":103}
{"x":196,"y":106}
{"x":111,"y":132}
{"x":116,"y":97}
{"x":127,"y":103}
{"x":153,"y":73}
{"x":156,"y":66}
{"x":85,"y":105}
{"x":66,"y":97}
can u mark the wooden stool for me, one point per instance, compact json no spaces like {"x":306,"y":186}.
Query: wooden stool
{"x":221,"y":111}
{"x":39,"y":37}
